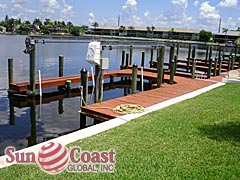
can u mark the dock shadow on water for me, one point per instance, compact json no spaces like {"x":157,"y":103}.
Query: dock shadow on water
{"x":223,"y":131}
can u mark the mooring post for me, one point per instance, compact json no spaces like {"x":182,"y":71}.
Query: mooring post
{"x":215,"y":66}
{"x":177,"y":53}
{"x":123,"y":60}
{"x":111,"y":81}
{"x":233,"y":62}
{"x":229,"y":62}
{"x":193,"y":68}
{"x":219,"y":61}
{"x":127,"y":61}
{"x":11,"y":109}
{"x":210,"y":63}
{"x":10,"y":72}
{"x":143,"y":59}
{"x":101,"y":80}
{"x":207,"y":53}
{"x":193,"y":52}
{"x":84,"y":84}
{"x":68,"y":85}
{"x":32,"y":140}
{"x":172,"y":70}
{"x":171,"y":54}
{"x":83,"y":117}
{"x":189,"y":55}
{"x":30,"y":49}
{"x":151,"y":57}
{"x":60,"y":107}
{"x":160,"y":64}
{"x":60,"y":68}
{"x":131,"y":55}
{"x":134,"y":78}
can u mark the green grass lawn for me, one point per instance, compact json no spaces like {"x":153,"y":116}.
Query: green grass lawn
{"x":195,"y":139}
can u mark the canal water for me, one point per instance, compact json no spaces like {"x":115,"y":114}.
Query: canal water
{"x":24,"y":124}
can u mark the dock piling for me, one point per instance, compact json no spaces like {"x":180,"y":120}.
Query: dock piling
{"x":143,"y":59}
{"x":172,"y":70}
{"x":84,"y":84}
{"x":134,"y":78}
{"x":10,"y":71}
{"x":151,"y":57}
{"x":123,"y":60}
{"x":189,"y":55}
{"x":131,"y":55}
{"x":160,"y":64}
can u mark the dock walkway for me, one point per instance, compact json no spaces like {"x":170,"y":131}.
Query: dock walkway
{"x":104,"y":110}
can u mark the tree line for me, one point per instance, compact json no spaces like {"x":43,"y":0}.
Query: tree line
{"x":40,"y":27}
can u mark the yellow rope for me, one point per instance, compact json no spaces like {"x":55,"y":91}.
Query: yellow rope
{"x":128,"y":109}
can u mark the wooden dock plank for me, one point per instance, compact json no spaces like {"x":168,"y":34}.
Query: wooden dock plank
{"x":147,"y":98}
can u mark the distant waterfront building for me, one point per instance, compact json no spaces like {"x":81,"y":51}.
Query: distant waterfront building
{"x":227,"y":37}
{"x":3,"y":29}
{"x":147,"y":32}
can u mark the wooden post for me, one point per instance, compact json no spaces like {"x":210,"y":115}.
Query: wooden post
{"x":68,"y":87}
{"x":171,"y":54}
{"x":219,"y":61}
{"x":84,"y":84}
{"x":101,"y":80}
{"x":32,"y":70}
{"x":177,"y":53}
{"x":193,"y":52}
{"x":131,"y":55}
{"x":60,"y":68}
{"x":160,"y":64}
{"x":11,"y":109}
{"x":193,"y":69}
{"x":60,"y":107}
{"x":229,"y":62}
{"x":189,"y":55}
{"x":10,"y":71}
{"x":210,"y":63}
{"x":151,"y":58}
{"x":206,"y":58}
{"x":32,"y":140}
{"x":143,"y":59}
{"x":172,"y":70}
{"x":233,"y":62}
{"x":111,"y":81}
{"x":123,"y":60}
{"x":127,"y":59}
{"x":134,"y":78}
{"x":97,"y":69}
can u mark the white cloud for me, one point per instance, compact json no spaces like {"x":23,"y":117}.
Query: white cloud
{"x":91,"y":17}
{"x":67,"y":8}
{"x":196,"y":3}
{"x":129,"y":14}
{"x":147,"y":13}
{"x":3,"y":6}
{"x":228,"y":3}
{"x":176,"y":16}
{"x":183,"y":3}
{"x":49,"y":6}
{"x":209,"y":17}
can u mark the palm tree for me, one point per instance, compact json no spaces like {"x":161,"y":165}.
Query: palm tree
{"x":95,"y":24}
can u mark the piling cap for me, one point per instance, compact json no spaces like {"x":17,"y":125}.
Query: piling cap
{"x":84,"y":70}
{"x":135,"y":65}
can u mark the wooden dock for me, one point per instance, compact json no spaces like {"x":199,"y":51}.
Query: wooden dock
{"x":104,"y":110}
{"x":23,"y":87}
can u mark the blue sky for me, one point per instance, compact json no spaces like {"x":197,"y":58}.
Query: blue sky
{"x":194,"y":14}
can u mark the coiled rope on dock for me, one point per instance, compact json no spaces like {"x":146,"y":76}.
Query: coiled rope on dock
{"x":129,"y":109}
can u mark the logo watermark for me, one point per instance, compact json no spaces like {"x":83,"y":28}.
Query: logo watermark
{"x":53,"y":158}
